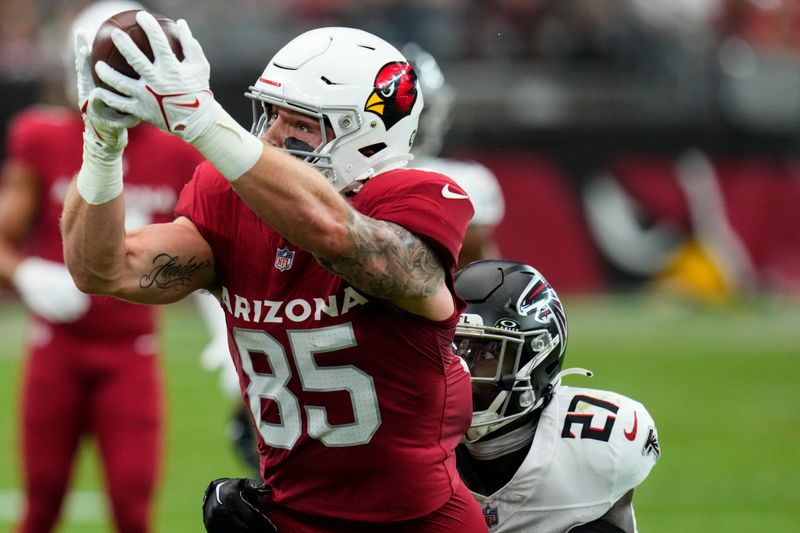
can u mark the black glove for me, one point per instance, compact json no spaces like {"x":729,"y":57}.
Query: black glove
{"x":236,"y":505}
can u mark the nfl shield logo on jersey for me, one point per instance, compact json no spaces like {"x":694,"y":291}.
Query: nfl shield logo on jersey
{"x":490,"y":514}
{"x":284,"y":258}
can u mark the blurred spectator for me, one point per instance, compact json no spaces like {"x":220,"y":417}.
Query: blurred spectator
{"x":546,"y":30}
{"x":19,"y":26}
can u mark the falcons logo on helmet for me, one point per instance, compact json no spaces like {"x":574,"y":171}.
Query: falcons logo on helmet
{"x":395,"y":93}
{"x":540,"y":300}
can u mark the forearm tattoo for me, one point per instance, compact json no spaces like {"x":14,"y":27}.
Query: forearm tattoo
{"x":170,"y":273}
{"x":388,"y":261}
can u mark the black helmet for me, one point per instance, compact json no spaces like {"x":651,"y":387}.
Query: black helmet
{"x":512,"y":336}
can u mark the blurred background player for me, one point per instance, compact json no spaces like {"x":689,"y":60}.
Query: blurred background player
{"x":576,"y":453}
{"x":91,"y":366}
{"x":477,"y":181}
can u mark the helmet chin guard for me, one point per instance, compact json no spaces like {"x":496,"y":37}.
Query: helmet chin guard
{"x":355,"y":83}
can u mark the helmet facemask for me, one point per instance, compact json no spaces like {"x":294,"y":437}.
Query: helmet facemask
{"x":348,"y":121}
{"x":500,"y":362}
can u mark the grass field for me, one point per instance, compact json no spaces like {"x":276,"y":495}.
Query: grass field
{"x":723,"y":386}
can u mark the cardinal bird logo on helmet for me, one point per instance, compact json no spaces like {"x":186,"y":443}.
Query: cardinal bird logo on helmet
{"x":395,"y":93}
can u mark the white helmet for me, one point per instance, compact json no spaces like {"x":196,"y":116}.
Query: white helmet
{"x":357,"y":84}
{"x":89,"y":20}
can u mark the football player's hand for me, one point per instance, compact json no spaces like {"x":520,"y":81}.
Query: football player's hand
{"x":170,"y":94}
{"x":105,"y":127}
{"x":105,"y":134}
{"x":236,"y":505}
{"x":175,"y":96}
{"x":47,"y":289}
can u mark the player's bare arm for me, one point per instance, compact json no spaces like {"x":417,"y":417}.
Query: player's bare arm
{"x":181,"y":264}
{"x":18,"y":205}
{"x":380,"y":258}
{"x":388,"y":261}
{"x":160,"y":263}
{"x":156,"y":264}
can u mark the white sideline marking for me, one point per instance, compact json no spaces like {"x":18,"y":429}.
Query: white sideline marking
{"x":84,"y":507}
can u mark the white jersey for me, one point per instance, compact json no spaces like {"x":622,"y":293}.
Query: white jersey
{"x":590,"y":448}
{"x":478,"y":182}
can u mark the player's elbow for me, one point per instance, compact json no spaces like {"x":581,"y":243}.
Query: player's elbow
{"x":88,"y":283}
{"x":335,"y":242}
{"x":88,"y":280}
{"x":326,"y":237}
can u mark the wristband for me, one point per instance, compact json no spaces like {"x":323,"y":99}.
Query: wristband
{"x":100,"y":177}
{"x":228,"y":146}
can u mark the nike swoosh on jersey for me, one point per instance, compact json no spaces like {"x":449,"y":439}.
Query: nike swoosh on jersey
{"x":447,"y":193}
{"x":631,"y":436}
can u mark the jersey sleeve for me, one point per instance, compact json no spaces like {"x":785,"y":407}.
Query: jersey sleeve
{"x":606,"y":440}
{"x":638,"y":448}
{"x":196,"y":201}
{"x":478,"y":182}
{"x":428,"y":204}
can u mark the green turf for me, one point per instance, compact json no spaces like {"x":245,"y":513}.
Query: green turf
{"x":722,"y":385}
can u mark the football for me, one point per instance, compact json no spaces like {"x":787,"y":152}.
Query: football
{"x":103,"y":48}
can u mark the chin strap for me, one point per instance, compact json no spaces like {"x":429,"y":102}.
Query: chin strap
{"x":504,"y":444}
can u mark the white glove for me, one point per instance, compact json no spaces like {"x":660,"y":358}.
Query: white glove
{"x":47,"y":289}
{"x":105,"y":134}
{"x":175,"y":96}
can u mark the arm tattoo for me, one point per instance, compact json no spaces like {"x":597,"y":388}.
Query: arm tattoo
{"x":169,"y":273}
{"x":388,"y":261}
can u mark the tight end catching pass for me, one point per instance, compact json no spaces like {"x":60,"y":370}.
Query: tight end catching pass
{"x":333,"y":263}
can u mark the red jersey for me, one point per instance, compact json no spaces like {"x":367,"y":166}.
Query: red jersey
{"x":156,"y":165}
{"x":359,"y":404}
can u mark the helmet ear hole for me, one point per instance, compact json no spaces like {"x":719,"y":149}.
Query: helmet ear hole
{"x":552,"y":367}
{"x":372,"y":149}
